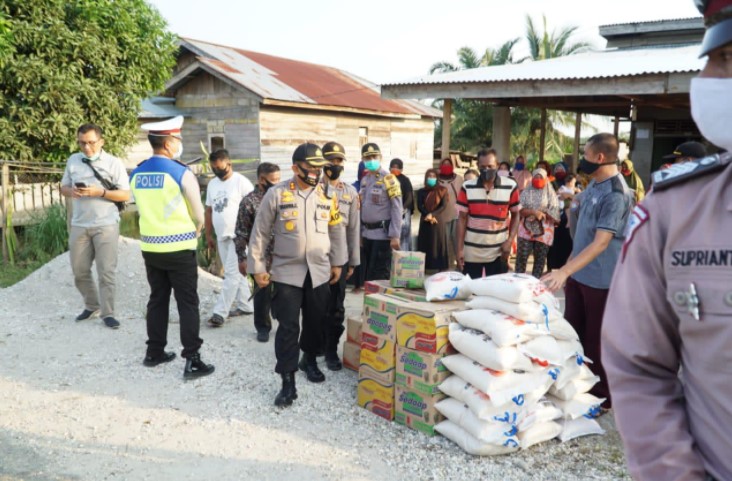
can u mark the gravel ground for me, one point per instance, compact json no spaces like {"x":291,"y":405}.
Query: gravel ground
{"x":76,"y":404}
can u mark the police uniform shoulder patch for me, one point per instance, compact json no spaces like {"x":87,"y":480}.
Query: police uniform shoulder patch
{"x":638,"y":217}
{"x":679,"y":173}
{"x":393,"y":187}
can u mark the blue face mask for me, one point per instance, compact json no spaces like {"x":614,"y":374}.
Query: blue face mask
{"x":372,"y":165}
{"x":519,"y":166}
{"x":431,"y":182}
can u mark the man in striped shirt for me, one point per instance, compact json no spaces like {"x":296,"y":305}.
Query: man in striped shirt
{"x":484,"y":237}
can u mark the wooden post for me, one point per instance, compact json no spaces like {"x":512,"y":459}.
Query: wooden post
{"x":5,"y":182}
{"x":446,"y":126}
{"x":616,"y":127}
{"x":577,"y":134}
{"x":502,"y":132}
{"x":542,"y":137}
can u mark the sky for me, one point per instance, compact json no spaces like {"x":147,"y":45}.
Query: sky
{"x":394,"y":40}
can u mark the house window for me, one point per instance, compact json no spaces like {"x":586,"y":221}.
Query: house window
{"x":363,"y":136}
{"x":216,"y":142}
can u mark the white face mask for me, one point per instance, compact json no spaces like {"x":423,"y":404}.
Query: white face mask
{"x":711,"y":108}
{"x":179,"y":153}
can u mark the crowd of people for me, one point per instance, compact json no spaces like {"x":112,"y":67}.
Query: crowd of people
{"x":638,"y":280}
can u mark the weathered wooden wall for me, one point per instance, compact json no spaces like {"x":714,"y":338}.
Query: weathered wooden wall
{"x":282,"y":129}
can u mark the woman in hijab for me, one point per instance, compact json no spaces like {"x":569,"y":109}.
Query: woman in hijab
{"x":504,"y":169}
{"x":432,"y":200}
{"x":561,"y":248}
{"x":539,"y":214}
{"x":560,"y":173}
{"x":633,"y":179}
{"x":520,"y":174}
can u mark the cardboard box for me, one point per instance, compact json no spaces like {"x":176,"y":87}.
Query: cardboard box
{"x":353,"y":330}
{"x":378,"y":358}
{"x":417,"y":410}
{"x":376,"y":397}
{"x":423,"y":326}
{"x":407,"y":269}
{"x":384,"y":287}
{"x":420,"y":371}
{"x":379,"y":316}
{"x":351,"y":355}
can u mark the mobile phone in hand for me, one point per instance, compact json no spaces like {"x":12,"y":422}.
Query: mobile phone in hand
{"x":79,"y":185}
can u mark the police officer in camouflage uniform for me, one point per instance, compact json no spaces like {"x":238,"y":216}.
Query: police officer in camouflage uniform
{"x":309,"y":252}
{"x":381,"y":215}
{"x":348,"y":207}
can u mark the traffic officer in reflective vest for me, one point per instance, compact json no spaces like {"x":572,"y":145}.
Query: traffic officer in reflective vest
{"x":381,"y":215}
{"x":171,"y":216}
{"x":348,"y":207}
{"x":309,"y":251}
{"x":667,"y":329}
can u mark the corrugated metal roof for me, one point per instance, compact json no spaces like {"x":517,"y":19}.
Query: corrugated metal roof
{"x":158,"y":108}
{"x":663,"y":20}
{"x":589,"y":65}
{"x":288,"y":80}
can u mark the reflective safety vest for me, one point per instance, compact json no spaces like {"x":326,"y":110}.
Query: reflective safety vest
{"x":165,"y":224}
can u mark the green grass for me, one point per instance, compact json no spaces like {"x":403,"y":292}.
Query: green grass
{"x":129,"y":224}
{"x":11,"y":274}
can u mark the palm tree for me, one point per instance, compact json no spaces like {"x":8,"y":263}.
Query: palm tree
{"x":543,"y":45}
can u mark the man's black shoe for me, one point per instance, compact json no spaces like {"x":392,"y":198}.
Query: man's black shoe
{"x":288,"y":393}
{"x":332,"y":361}
{"x":196,"y":368}
{"x":87,"y":314}
{"x":150,"y":361}
{"x":111,"y":322}
{"x":262,"y":336}
{"x":309,"y":365}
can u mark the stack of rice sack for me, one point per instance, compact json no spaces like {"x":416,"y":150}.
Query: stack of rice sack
{"x":519,"y":377}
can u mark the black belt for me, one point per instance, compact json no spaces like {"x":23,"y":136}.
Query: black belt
{"x":384,"y":224}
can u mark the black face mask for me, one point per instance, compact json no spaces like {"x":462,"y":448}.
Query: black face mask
{"x":266,"y":186}
{"x":333,"y":171}
{"x":487,"y":175}
{"x":590,"y":168}
{"x":220,"y":173}
{"x":310,"y":177}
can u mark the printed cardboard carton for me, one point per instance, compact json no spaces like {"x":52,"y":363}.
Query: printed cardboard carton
{"x":407,"y":269}
{"x":417,"y":410}
{"x":423,"y":326}
{"x":376,"y":396}
{"x":420,"y":371}
{"x":351,"y":355}
{"x":379,"y":316}
{"x":378,"y":358}
{"x":353,"y":330}
{"x":384,"y":287}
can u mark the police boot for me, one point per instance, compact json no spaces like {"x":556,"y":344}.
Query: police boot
{"x":332,"y":361}
{"x":196,"y":368}
{"x":309,"y":365}
{"x":288,"y":393}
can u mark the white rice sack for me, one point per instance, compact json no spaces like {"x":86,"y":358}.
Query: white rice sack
{"x":574,"y":368}
{"x":479,"y":347}
{"x":539,"y":433}
{"x":526,"y":311}
{"x":500,"y":386}
{"x":573,"y":388}
{"x":447,"y":286}
{"x":582,"y":405}
{"x":539,"y":413}
{"x":570,"y":348}
{"x":558,"y":328}
{"x":470,"y":445}
{"x":485,"y":431}
{"x":513,"y":287}
{"x":574,"y":428}
{"x":543,"y":350}
{"x":482,"y":405}
{"x":503,"y":330}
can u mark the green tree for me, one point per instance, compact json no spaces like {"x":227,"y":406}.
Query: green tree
{"x":68,"y":62}
{"x":544,"y":45}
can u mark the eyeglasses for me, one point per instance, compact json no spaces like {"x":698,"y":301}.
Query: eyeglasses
{"x":91,"y":143}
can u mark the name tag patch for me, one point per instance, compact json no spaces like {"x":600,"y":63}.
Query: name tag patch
{"x":149,"y":181}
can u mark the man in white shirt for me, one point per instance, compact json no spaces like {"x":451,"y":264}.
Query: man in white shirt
{"x":223,"y":195}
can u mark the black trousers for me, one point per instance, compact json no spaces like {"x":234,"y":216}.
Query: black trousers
{"x":376,"y":258}
{"x":336,"y":313}
{"x":475,"y":269}
{"x":289,"y":301}
{"x":262,"y":306}
{"x":176,"y":271}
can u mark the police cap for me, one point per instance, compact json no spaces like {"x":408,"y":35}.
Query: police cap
{"x":692,"y":149}
{"x":309,"y":153}
{"x":334,"y":150}
{"x":718,"y":21}
{"x":370,"y":150}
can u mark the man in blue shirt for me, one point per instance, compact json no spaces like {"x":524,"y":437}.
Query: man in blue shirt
{"x":603,"y":209}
